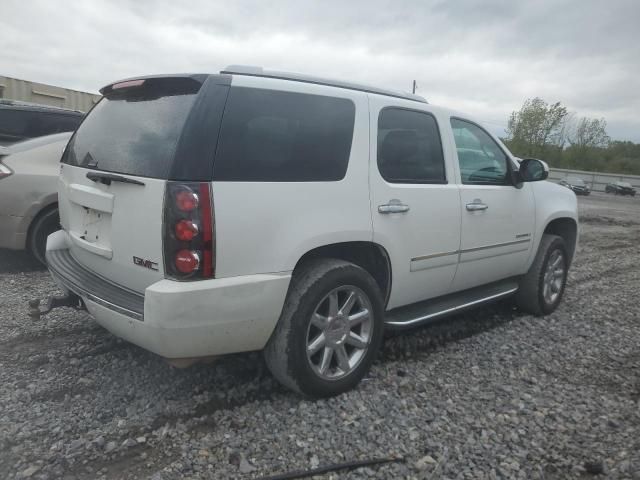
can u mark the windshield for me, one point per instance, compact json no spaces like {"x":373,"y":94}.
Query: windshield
{"x":134,"y":132}
{"x":624,"y":184}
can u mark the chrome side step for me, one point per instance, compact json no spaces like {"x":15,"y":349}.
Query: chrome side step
{"x":424,"y":312}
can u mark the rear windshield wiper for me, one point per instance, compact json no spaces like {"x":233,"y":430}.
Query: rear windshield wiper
{"x":107,"y":178}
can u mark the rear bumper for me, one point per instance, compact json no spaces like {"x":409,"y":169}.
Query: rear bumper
{"x":13,"y":231}
{"x":178,"y":319}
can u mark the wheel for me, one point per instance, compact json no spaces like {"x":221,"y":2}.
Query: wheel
{"x":542,"y":287}
{"x":43,"y":225}
{"x":329,"y":331}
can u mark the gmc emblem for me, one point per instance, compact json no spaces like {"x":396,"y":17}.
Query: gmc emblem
{"x":141,"y":262}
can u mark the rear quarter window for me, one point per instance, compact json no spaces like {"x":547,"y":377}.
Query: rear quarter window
{"x":274,"y":136}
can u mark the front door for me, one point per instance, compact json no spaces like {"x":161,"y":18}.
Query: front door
{"x":497,"y":218}
{"x":414,"y":202}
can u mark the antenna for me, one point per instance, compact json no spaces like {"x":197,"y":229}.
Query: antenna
{"x":415,"y":86}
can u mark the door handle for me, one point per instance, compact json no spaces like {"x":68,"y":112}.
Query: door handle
{"x":476,"y":205}
{"x":393,"y":208}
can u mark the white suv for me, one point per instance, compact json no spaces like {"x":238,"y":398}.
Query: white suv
{"x":259,"y":210}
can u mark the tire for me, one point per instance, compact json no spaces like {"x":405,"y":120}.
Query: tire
{"x":312,"y":288}
{"x":532,"y":297}
{"x":45,"y":223}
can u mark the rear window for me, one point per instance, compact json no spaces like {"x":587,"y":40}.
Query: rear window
{"x":135,"y":131}
{"x":273,"y":136}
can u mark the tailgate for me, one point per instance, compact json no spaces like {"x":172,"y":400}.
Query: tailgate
{"x":115,"y":171}
{"x":114,"y":230}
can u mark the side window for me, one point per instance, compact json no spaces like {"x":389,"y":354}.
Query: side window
{"x":13,"y":123}
{"x":274,"y":136}
{"x":409,"y":147}
{"x":67,"y":123}
{"x":42,"y":124}
{"x":481,"y":160}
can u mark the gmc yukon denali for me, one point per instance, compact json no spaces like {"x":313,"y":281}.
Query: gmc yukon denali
{"x":207,"y":214}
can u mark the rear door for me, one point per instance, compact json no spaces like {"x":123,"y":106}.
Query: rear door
{"x":414,"y":205}
{"x":115,"y":169}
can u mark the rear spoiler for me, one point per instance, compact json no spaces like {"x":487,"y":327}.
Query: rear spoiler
{"x":170,"y":81}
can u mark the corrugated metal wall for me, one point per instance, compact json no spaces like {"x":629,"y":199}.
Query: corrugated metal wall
{"x":23,"y":90}
{"x":596,"y":181}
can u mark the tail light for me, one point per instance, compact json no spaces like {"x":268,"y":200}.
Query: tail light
{"x":4,"y":170}
{"x":188,"y":231}
{"x":187,"y":261}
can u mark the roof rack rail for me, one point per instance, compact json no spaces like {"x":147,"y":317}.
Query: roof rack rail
{"x":297,"y":77}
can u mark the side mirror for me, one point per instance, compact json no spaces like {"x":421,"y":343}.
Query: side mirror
{"x":533,"y":170}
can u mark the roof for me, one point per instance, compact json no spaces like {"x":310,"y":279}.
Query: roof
{"x":19,"y":105}
{"x":261,"y":72}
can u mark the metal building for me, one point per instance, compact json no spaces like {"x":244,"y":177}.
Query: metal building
{"x":26,"y":91}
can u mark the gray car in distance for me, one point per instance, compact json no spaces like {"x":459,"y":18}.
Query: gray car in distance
{"x":28,"y":192}
{"x":576,"y":185}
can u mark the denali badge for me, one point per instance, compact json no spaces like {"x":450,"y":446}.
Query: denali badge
{"x":141,"y":262}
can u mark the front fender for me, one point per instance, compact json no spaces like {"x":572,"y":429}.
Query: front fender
{"x":552,"y":202}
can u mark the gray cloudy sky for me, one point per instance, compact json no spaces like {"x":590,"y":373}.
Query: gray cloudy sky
{"x":483,"y":57}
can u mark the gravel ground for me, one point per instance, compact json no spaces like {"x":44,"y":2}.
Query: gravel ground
{"x":487,"y":394}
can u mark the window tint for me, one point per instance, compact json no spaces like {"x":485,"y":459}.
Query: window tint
{"x":13,"y":123}
{"x":30,"y":124}
{"x":67,"y":123}
{"x":409,"y":147}
{"x":134,"y":132}
{"x":481,"y":160}
{"x":47,"y":123}
{"x":274,"y":136}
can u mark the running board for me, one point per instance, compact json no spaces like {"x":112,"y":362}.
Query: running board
{"x":429,"y":310}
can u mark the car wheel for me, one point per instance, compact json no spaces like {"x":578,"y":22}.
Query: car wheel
{"x":542,"y":287}
{"x":42,"y":226}
{"x":330,"y":329}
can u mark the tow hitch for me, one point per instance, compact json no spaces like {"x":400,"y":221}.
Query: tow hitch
{"x":36,"y":310}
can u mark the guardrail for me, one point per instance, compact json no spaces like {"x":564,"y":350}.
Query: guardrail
{"x":596,"y":180}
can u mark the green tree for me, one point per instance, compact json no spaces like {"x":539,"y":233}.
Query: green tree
{"x":589,"y":133}
{"x":538,"y":128}
{"x":549,"y":132}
